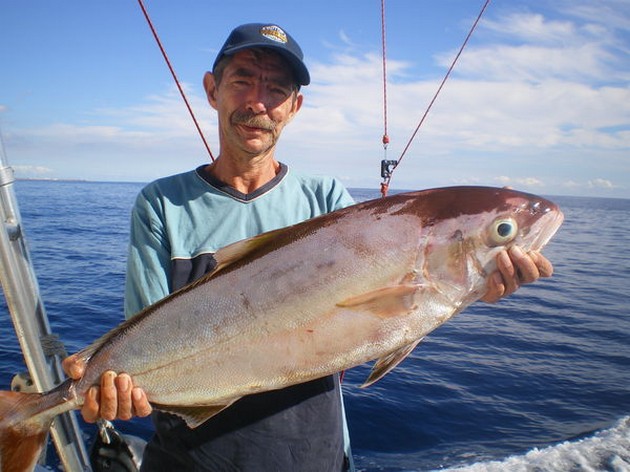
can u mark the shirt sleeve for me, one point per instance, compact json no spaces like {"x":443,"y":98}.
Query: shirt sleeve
{"x":149,"y":257}
{"x":340,"y":197}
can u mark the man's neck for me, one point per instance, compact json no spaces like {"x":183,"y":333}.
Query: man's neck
{"x":246,"y":176}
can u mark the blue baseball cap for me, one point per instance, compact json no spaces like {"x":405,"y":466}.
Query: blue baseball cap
{"x":267,"y":35}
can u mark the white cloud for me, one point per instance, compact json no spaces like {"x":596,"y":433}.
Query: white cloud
{"x":144,"y":141}
{"x":600,"y":183}
{"x":31,"y":172}
{"x":531,"y":27}
{"x":571,"y":184}
{"x":608,"y":14}
{"x":533,"y":48}
{"x":527,"y":182}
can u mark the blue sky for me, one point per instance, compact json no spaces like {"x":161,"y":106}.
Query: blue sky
{"x":540,"y":99}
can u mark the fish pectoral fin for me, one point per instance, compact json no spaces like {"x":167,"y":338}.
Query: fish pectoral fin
{"x":386,"y":364}
{"x":192,"y":415}
{"x":385,"y":302}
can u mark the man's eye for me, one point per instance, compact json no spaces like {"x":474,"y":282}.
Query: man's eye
{"x":279,"y":91}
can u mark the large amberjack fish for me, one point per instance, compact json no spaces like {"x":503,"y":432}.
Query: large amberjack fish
{"x":362,"y":283}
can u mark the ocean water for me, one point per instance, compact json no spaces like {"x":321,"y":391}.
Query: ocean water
{"x":537,"y":382}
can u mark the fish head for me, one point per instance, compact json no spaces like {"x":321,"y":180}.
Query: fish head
{"x":464,"y":229}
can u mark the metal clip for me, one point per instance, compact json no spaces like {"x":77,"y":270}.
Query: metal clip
{"x":387,"y":167}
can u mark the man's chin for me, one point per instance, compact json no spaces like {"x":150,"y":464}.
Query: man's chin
{"x":257,"y":147}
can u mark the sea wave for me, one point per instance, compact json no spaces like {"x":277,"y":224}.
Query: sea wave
{"x":606,"y":450}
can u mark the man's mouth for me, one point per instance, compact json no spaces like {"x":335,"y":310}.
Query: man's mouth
{"x":251,"y":128}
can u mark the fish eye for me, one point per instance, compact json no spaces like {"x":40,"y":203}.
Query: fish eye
{"x":503,"y":231}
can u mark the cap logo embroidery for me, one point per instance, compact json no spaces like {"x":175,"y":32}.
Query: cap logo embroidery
{"x":274,"y":33}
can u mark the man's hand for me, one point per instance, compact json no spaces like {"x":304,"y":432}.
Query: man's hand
{"x":116,"y":398}
{"x":515,"y":268}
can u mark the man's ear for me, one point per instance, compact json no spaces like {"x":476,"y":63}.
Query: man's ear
{"x":298,"y":102}
{"x":210,"y":87}
{"x":296,"y":105}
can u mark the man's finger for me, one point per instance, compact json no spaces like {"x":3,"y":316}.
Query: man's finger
{"x":141,"y":405}
{"x":545,"y":267}
{"x":73,"y":366}
{"x":123,"y":385}
{"x":109,"y":396}
{"x":526,"y":270}
{"x":496,"y":288}
{"x":508,"y":272}
{"x":90,"y":409}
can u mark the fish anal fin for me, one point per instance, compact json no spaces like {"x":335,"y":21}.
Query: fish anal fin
{"x":386,"y":364}
{"x":192,"y":415}
{"x":385,"y":302}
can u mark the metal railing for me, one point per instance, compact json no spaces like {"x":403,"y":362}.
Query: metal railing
{"x":29,"y":317}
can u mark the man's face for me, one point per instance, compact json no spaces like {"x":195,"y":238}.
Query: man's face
{"x":255,"y":99}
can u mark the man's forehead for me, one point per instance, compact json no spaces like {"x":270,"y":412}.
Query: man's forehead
{"x":266,"y":60}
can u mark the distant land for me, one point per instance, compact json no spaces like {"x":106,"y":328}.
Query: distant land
{"x":50,"y":179}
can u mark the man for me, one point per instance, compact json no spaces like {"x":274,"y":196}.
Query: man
{"x":179,"y":222}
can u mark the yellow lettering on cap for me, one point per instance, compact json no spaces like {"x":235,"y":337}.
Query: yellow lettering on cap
{"x":274,"y":33}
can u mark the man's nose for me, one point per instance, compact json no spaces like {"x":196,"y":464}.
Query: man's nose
{"x":258,"y":98}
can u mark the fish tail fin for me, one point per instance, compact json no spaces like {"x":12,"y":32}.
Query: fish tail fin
{"x":22,"y":435}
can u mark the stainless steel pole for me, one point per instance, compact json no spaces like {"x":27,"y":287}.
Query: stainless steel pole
{"x":31,"y":322}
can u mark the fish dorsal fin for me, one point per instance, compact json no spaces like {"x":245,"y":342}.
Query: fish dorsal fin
{"x":386,"y":364}
{"x":235,"y":252}
{"x":192,"y":415}
{"x":385,"y":302}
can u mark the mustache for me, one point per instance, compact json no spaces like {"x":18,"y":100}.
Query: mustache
{"x":252,"y":120}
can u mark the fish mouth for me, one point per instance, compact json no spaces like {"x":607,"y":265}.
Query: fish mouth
{"x":546,"y":227}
